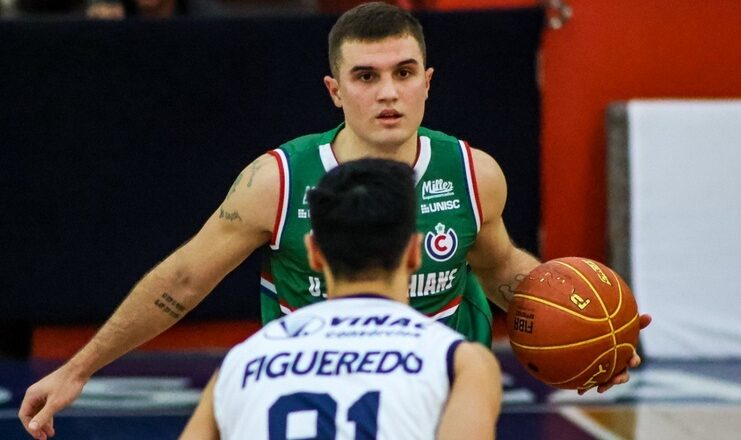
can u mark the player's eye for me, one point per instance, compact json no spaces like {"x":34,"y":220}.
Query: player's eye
{"x":366,"y":77}
{"x":405,"y":73}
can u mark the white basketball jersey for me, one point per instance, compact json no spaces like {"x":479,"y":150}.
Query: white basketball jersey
{"x":362,"y":367}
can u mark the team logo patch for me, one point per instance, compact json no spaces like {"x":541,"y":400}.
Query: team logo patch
{"x":441,"y":244}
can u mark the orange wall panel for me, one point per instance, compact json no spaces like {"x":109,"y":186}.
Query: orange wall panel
{"x":614,"y":51}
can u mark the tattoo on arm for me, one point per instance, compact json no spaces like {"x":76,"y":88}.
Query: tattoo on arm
{"x":234,"y":185}
{"x":507,"y":290}
{"x":169,"y":305}
{"x":256,"y":165}
{"x":229,"y":216}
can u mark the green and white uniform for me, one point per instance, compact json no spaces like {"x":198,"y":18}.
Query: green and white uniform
{"x":449,"y":218}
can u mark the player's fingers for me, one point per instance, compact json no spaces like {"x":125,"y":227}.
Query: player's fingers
{"x":29,"y":408}
{"x":635,"y":361}
{"x":621,"y":378}
{"x":44,"y":420}
{"x":48,"y":428}
{"x":644,"y":320}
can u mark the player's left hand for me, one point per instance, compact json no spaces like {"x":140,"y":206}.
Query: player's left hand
{"x":623,"y":376}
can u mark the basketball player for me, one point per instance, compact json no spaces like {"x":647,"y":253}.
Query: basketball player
{"x":359,"y":365}
{"x":380,"y":80}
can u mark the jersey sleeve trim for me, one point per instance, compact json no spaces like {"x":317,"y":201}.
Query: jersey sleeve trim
{"x":473,"y":190}
{"x":267,"y":287}
{"x":285,"y":187}
{"x":424,"y":154}
{"x":450,"y":360}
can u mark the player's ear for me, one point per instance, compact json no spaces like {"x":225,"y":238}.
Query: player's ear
{"x":428,"y":79}
{"x":316,"y":259}
{"x":333,"y":87}
{"x":414,"y":252}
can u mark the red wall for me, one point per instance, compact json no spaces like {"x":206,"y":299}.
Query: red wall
{"x":618,"y":50}
{"x":610,"y":51}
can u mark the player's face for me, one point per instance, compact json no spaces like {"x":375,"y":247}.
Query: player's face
{"x":382,"y":88}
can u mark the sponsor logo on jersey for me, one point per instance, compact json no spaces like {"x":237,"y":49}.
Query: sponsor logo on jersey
{"x":433,"y":189}
{"x":441,"y":244}
{"x":294,"y":327}
{"x":304,"y":212}
{"x":444,"y":205}
{"x":374,"y":326}
{"x":423,"y":284}
{"x":376,"y":321}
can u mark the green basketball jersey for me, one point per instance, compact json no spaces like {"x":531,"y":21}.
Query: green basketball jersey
{"x":449,"y":218}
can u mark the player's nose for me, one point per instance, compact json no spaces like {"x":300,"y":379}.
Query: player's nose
{"x":387,"y":90}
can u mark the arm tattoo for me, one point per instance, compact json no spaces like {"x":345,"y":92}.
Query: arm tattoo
{"x":169,"y":305}
{"x":253,"y":168}
{"x":507,"y":290}
{"x":234,"y":185}
{"x":229,"y":216}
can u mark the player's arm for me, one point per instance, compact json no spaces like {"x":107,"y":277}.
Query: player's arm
{"x":497,"y":262}
{"x":475,"y":399}
{"x":241,"y":224}
{"x":202,"y":424}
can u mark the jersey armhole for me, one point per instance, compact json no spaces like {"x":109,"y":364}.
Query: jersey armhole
{"x":450,"y":360}
{"x":473,"y":190}
{"x":284,"y":192}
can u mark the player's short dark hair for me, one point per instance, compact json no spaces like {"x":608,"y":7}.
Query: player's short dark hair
{"x":363,"y":215}
{"x":373,"y":22}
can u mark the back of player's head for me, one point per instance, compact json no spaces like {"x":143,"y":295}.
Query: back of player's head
{"x":363,"y":215}
{"x":369,"y":22}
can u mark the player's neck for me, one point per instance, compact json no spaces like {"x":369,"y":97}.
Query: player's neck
{"x":396,"y":288}
{"x":348,"y":146}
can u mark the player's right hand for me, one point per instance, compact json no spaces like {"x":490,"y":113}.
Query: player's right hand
{"x":46,"y":398}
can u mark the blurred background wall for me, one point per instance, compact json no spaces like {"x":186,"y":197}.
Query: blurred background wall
{"x":539,"y":110}
{"x":120,"y":137}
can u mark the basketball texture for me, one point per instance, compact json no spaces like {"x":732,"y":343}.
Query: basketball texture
{"x":573,"y":323}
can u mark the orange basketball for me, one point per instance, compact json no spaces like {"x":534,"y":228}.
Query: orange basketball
{"x":573,"y":323}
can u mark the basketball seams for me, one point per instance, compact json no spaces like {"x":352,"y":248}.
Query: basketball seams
{"x":596,"y":361}
{"x":619,"y":283}
{"x":556,"y":306}
{"x":573,"y":344}
{"x":554,"y":346}
{"x":604,"y":309}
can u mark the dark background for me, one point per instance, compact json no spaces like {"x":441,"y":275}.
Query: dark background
{"x":118,"y":139}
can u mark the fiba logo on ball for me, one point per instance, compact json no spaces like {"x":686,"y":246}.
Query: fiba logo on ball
{"x":442,"y":244}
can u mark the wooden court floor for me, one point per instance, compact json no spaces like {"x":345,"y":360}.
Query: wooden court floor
{"x":149,"y":396}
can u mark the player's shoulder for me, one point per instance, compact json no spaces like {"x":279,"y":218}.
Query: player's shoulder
{"x":262,"y":174}
{"x":475,"y":359}
{"x":490,"y":178}
{"x":308,"y":142}
{"x":438,"y":136}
